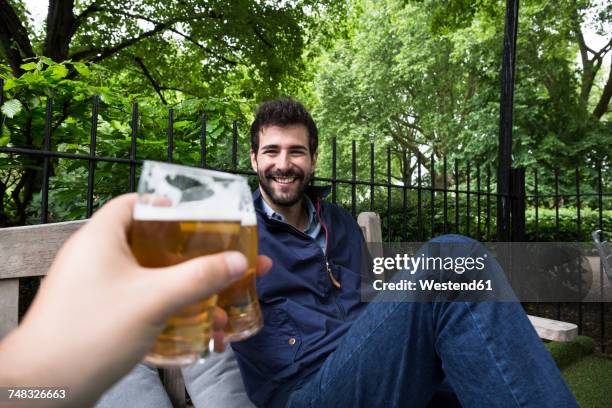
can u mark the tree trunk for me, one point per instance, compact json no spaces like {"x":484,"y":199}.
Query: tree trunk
{"x":604,"y":100}
{"x":14,"y":38}
{"x":60,"y":23}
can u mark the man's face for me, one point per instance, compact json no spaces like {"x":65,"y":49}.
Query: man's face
{"x":283,"y":163}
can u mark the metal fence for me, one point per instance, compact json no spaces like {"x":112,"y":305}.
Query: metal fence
{"x":416,"y":209}
{"x":590,"y":317}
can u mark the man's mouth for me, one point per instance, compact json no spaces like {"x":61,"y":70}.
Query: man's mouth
{"x":284,"y":180}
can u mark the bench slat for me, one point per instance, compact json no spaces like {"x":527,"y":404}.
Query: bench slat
{"x":29,"y":251}
{"x":9,"y":305}
{"x":554,"y":329}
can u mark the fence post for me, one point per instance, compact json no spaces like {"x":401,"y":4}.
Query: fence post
{"x":504,"y":162}
{"x":517,"y":206}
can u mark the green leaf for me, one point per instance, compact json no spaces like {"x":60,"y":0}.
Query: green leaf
{"x":212,"y":124}
{"x":11,"y":83}
{"x":34,"y":102}
{"x":181,"y":124}
{"x":58,"y":71}
{"x":81,"y":68}
{"x":30,"y":66}
{"x":11,"y":108}
{"x":4,"y":140}
{"x":214,"y":135}
{"x":106,"y":97}
{"x":47,"y":61}
{"x":4,"y":131}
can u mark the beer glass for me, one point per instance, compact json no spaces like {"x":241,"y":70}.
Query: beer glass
{"x":239,"y":300}
{"x":182,"y":213}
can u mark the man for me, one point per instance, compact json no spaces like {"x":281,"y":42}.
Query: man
{"x":321,"y":346}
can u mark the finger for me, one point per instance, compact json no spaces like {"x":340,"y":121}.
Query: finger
{"x":111,"y":222}
{"x":219,"y":344}
{"x":219,"y":323}
{"x":196,"y":279}
{"x":219,"y":318}
{"x":263,"y":265}
{"x":118,"y":211}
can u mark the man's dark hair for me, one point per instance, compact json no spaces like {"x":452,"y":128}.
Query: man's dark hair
{"x":283,"y":112}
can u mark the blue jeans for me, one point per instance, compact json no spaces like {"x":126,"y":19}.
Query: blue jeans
{"x":397,"y":354}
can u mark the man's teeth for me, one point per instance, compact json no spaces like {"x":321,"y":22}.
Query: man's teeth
{"x":284,"y":180}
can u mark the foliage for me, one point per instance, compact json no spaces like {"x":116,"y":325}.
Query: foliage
{"x":423,"y":76}
{"x":545,"y":229}
{"x":407,"y":80}
{"x":190,"y":47}
{"x":193,"y":56}
{"x":70,"y":128}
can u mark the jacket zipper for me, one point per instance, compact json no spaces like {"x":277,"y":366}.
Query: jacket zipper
{"x":332,"y":278}
{"x":335,"y":283}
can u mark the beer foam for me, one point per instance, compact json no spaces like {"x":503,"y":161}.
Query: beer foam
{"x":186,"y":212}
{"x":210,"y":196}
{"x":249,"y":219}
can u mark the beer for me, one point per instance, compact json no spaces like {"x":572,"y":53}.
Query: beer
{"x":239,"y":300}
{"x":165,"y":243}
{"x":182,"y":213}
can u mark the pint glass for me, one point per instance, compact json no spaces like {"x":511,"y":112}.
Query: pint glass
{"x":239,"y":300}
{"x":183,"y":213}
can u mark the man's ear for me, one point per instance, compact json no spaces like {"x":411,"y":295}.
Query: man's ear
{"x":253,"y":160}
{"x":314,"y":162}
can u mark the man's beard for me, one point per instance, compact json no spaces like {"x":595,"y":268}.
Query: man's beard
{"x":283,"y":199}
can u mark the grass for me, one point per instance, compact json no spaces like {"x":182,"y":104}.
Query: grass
{"x":588,"y":374}
{"x":590,"y":379}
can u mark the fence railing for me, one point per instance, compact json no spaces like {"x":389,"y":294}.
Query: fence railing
{"x":461,"y":199}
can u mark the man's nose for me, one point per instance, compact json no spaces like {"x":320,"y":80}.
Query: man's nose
{"x":283,"y":161}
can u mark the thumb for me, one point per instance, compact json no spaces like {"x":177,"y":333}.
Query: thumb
{"x":198,"y":278}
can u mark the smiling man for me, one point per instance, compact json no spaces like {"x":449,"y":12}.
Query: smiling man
{"x":285,"y":159}
{"x":322,"y":347}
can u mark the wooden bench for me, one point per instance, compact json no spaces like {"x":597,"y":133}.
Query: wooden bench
{"x":28,"y":252}
{"x":547,"y":329}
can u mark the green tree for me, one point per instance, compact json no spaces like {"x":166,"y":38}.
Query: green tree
{"x":424,"y":76}
{"x":71,"y":129}
{"x":193,"y":46}
{"x":215,"y":56}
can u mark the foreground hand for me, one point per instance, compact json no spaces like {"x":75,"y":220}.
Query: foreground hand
{"x":98,"y":312}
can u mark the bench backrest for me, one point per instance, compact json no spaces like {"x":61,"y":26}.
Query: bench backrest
{"x":25,"y":252}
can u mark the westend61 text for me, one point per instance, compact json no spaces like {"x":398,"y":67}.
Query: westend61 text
{"x":432,"y":285}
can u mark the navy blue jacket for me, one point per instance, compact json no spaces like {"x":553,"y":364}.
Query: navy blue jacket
{"x":305,"y":314}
